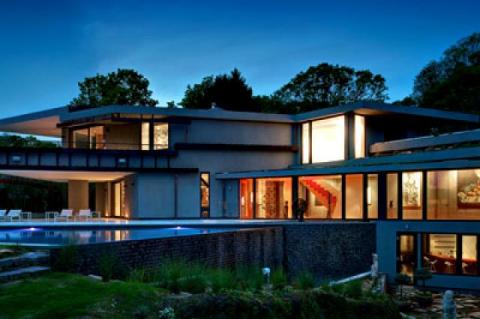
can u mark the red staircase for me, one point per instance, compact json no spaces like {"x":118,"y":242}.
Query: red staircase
{"x":325,"y":197}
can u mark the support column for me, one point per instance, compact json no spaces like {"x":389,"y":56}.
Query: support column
{"x":77,"y":195}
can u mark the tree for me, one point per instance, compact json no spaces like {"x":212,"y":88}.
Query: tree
{"x":452,"y":83}
{"x":19,"y":141}
{"x":228,"y":91}
{"x":123,"y":87}
{"x":406,"y":101}
{"x":328,"y":85}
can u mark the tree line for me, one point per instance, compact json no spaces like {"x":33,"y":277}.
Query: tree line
{"x":450,"y":83}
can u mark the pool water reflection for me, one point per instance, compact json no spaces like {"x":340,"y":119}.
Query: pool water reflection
{"x":80,"y":236}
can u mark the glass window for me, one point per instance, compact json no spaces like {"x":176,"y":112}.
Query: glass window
{"x":160,"y":136}
{"x":412,"y":195}
{"x":246,"y":198}
{"x":145,"y":139}
{"x":97,"y":137}
{"x":440,"y":252}
{"x":306,"y":143}
{"x":205,"y":194}
{"x":406,"y":256}
{"x":454,"y":194}
{"x":469,"y":255}
{"x":80,"y":138}
{"x":328,"y":139}
{"x":359,"y":136}
{"x":354,"y":196}
{"x":323,"y":195}
{"x":274,"y":198}
{"x":392,"y":196}
{"x":372,"y":196}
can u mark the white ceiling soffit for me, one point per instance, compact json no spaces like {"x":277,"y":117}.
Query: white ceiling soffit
{"x":63,"y":176}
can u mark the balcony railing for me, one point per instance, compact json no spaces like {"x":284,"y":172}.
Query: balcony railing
{"x":84,"y":159}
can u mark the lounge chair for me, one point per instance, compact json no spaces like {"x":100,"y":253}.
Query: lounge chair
{"x":3,"y":214}
{"x":14,"y":214}
{"x":85,"y":213}
{"x":65,"y":214}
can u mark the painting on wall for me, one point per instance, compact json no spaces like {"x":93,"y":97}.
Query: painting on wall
{"x":468,"y":189}
{"x":411,"y":190}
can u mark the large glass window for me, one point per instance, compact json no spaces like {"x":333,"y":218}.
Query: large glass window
{"x":97,"y":137}
{"x":80,"y":138}
{"x":354,"y":196}
{"x":372,"y":196}
{"x":440,"y":252}
{"x":160,"y":136}
{"x":246,"y":198}
{"x":306,"y":143}
{"x":412,"y":195}
{"x":145,"y":138}
{"x":328,"y":139}
{"x":359,"y":136}
{"x":406,"y":254}
{"x":469,"y":255}
{"x":454,"y":194}
{"x":205,"y":195}
{"x":323,"y":195}
{"x":392,"y":196}
{"x":274,"y":198}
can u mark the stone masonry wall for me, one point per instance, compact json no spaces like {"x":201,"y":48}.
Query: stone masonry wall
{"x":329,"y":249}
{"x":261,"y":247}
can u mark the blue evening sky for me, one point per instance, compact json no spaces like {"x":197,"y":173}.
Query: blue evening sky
{"x":46,"y":47}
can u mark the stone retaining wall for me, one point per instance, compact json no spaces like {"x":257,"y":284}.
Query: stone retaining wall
{"x":260,"y":246}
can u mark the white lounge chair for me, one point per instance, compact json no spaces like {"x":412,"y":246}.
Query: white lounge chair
{"x":65,"y":214}
{"x":14,"y":214}
{"x":3,"y":214}
{"x":85,"y":213}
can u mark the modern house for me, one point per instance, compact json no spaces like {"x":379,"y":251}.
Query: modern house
{"x":366,"y":161}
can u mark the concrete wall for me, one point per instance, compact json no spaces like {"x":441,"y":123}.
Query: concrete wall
{"x":154,"y":195}
{"x":329,"y":249}
{"x":236,"y":132}
{"x":260,"y":247}
{"x":77,"y":195}
{"x":387,"y":249}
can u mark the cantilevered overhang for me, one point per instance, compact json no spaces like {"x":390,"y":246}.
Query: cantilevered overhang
{"x":374,"y":108}
{"x":64,"y":176}
{"x":468,"y":157}
{"x":37,"y":123}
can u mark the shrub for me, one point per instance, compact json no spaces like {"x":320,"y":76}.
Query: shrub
{"x":422,"y":274}
{"x":353,"y":289}
{"x":170,"y":272}
{"x":221,"y":279}
{"x":194,"y":284}
{"x":401,"y":280}
{"x":278,"y":279}
{"x":138,"y":275}
{"x":66,"y":259}
{"x":304,"y":280}
{"x":109,"y":266}
{"x":249,"y":278}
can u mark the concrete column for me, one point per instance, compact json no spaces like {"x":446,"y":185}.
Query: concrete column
{"x":77,"y":195}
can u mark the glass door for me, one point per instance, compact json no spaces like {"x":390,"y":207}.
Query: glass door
{"x":119,"y":199}
{"x":406,"y":254}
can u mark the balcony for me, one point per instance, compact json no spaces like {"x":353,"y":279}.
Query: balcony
{"x":100,"y":158}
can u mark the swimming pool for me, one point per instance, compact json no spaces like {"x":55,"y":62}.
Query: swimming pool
{"x":54,"y":237}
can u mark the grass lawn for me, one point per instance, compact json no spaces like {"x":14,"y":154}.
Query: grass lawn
{"x":60,"y":295}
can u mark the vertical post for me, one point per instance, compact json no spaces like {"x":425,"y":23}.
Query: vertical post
{"x":365,"y":197}
{"x":310,"y":141}
{"x":424,"y":195}
{"x":382,"y":196}
{"x":254,"y":198}
{"x":400,"y":195}
{"x":294,"y":192}
{"x":344,"y":187}
{"x":458,"y":259}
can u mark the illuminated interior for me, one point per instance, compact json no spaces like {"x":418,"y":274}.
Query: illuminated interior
{"x":453,"y":194}
{"x":359,"y":136}
{"x":412,"y":195}
{"x":246,"y":198}
{"x":160,"y":136}
{"x":354,"y":196}
{"x":145,"y":138}
{"x":328,"y":139}
{"x":372,"y":196}
{"x":273,"y":198}
{"x":392,"y":196}
{"x":323,"y":195}
{"x":306,"y":143}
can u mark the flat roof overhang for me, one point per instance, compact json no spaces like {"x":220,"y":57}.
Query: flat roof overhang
{"x":428,"y":160}
{"x":64,"y":176}
{"x":37,"y":123}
